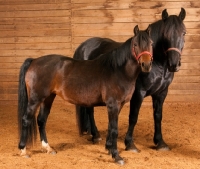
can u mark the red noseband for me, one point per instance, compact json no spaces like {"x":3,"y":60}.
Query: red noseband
{"x":140,"y":54}
{"x":175,"y":49}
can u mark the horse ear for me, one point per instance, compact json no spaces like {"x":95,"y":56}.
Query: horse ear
{"x":148,"y":29}
{"x":136,"y":30}
{"x":164,"y":14}
{"x":182,"y":14}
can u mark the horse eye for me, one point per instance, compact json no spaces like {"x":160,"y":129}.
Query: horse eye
{"x":135,"y":44}
{"x":184,"y":33}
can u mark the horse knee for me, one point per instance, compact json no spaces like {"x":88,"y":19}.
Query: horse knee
{"x":114,"y":133}
{"x":112,"y":104}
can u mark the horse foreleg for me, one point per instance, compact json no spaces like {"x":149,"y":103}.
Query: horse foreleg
{"x":111,"y":142}
{"x":135,"y":104}
{"x":42,"y":119}
{"x":158,"y":101}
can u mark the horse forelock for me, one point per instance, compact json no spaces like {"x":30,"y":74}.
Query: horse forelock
{"x":173,"y":25}
{"x":143,"y":40}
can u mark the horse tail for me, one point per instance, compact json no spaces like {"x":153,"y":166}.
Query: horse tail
{"x":23,"y":102}
{"x":83,"y":119}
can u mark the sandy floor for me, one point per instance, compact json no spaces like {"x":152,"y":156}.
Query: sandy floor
{"x":181,"y":130}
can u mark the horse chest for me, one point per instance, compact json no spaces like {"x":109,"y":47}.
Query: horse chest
{"x":156,"y":82}
{"x":165,"y":82}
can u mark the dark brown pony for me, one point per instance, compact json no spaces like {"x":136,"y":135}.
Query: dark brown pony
{"x":111,"y":78}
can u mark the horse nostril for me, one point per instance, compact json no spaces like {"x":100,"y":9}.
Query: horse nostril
{"x":142,"y":64}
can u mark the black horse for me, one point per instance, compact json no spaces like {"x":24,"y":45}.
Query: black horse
{"x":111,"y":77}
{"x":168,"y":38}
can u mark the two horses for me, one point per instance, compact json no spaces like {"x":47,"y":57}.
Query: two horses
{"x":111,"y":78}
{"x":168,"y":41}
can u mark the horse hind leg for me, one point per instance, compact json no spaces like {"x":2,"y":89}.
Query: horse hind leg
{"x":28,"y":129}
{"x":41,"y":121}
{"x":86,"y":123}
{"x":94,"y":131}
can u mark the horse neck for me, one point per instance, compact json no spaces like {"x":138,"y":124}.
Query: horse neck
{"x":124,"y":47}
{"x":121,"y":59}
{"x":132,"y":69}
{"x":131,"y":66}
{"x":122,"y":54}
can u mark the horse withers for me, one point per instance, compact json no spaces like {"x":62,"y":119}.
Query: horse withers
{"x":111,"y":77}
{"x":168,"y":37}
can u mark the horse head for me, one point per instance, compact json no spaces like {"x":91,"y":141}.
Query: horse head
{"x":142,"y":48}
{"x":173,"y":32}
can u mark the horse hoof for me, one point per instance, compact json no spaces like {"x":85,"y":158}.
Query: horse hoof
{"x":26,"y":156}
{"x":53,"y":152}
{"x":120,"y":162}
{"x":109,"y":152}
{"x":133,"y":149}
{"x":162,"y":148}
{"x":96,"y":140}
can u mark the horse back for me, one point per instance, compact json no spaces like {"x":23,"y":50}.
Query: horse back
{"x":93,"y":47}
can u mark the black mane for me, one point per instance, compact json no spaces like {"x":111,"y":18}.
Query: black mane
{"x":120,"y":55}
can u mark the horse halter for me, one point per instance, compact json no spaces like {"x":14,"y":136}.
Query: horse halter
{"x":174,"y":49}
{"x":140,"y":54}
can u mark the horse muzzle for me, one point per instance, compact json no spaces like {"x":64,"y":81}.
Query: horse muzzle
{"x":145,"y":62}
{"x":174,"y":67}
{"x":174,"y":59}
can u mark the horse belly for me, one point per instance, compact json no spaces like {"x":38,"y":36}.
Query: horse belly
{"x":120,"y":93}
{"x":86,"y":95}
